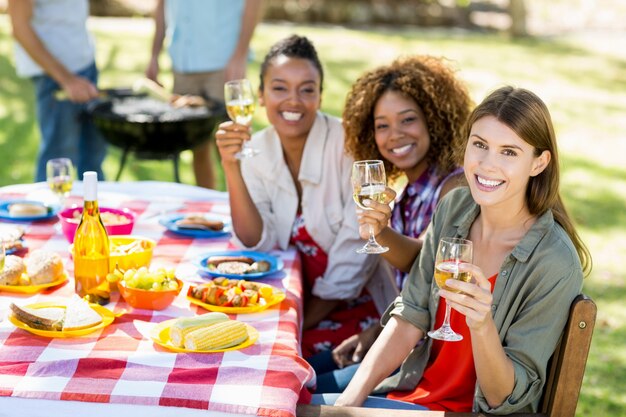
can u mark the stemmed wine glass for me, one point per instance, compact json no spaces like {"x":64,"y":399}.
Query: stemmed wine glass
{"x":369,"y":183}
{"x":240,"y":107}
{"x":451,"y":253}
{"x":60,"y":175}
{"x":2,"y":255}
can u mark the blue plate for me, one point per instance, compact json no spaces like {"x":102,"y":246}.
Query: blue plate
{"x":170,"y":224}
{"x":4,"y":211}
{"x":276,"y":264}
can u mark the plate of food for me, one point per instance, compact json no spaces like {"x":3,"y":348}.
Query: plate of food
{"x":239,"y":264}
{"x":56,"y":319}
{"x":207,"y":333}
{"x":40,"y":270}
{"x":234,"y":296}
{"x":197,"y":225}
{"x":27,"y":210}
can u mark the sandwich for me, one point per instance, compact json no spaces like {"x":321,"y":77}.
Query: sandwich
{"x":74,"y":316}
{"x":12,"y":272}
{"x":44,"y":267}
{"x":27,"y":210}
{"x":48,"y":318}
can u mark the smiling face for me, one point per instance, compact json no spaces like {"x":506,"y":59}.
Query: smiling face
{"x":401,"y":133}
{"x":498,"y":165}
{"x":291,"y":96}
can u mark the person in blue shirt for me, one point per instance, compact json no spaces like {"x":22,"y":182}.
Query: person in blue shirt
{"x":55,"y":50}
{"x":208,"y":45}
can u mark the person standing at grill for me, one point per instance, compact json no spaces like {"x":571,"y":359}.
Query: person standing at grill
{"x":55,"y":50}
{"x":208,"y":45}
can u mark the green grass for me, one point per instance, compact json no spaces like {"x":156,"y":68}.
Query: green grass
{"x":580,"y":78}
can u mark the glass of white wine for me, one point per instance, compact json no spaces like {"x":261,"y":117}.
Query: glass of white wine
{"x":60,"y":175}
{"x":240,"y":107}
{"x":451,"y":253}
{"x":2,"y":255}
{"x":369,"y":183}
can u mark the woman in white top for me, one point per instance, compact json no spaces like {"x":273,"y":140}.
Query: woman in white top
{"x":297,"y":190}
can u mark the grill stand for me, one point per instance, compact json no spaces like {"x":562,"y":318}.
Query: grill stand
{"x":175,"y":157}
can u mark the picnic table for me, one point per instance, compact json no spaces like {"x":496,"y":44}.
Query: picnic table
{"x":118,"y":370}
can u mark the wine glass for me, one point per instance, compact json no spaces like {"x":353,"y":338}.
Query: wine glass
{"x":2,"y":255}
{"x":240,"y":107}
{"x":369,"y":183}
{"x":60,"y":174}
{"x":451,"y":253}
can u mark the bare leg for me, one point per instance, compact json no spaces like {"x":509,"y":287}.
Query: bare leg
{"x":202,"y":165}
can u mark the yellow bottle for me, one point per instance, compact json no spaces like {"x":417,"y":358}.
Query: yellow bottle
{"x":91,"y":247}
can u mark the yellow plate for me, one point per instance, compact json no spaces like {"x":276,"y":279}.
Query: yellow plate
{"x":160,"y":335}
{"x":278,"y":297}
{"x":31,"y":289}
{"x":107,"y":318}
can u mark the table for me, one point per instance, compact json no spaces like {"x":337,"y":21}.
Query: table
{"x":118,"y":370}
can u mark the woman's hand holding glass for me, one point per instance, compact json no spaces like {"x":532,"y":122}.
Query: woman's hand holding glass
{"x":229,"y":138}
{"x":472,"y":299}
{"x":377,"y":216}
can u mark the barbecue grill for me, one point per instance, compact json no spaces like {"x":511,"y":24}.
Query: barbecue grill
{"x":153,"y":129}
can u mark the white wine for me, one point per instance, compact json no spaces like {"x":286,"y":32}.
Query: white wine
{"x":375,"y":192}
{"x":450,"y":270}
{"x":240,"y":110}
{"x":91,"y":248}
{"x":61,"y":185}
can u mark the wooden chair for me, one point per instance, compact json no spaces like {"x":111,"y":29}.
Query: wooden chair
{"x":565,"y":375}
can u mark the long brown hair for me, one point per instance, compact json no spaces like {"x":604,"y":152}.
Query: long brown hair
{"x":527,"y":115}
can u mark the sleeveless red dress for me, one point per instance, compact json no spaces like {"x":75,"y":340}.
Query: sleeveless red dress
{"x":449,"y":378}
{"x":348,"y":318}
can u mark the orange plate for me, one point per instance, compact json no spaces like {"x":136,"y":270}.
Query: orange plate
{"x":107,"y":318}
{"x":160,"y":335}
{"x":31,"y":289}
{"x":278,"y":297}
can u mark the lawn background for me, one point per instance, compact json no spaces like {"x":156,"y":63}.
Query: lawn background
{"x":581,"y":77}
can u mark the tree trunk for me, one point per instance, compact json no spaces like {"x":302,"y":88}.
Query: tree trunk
{"x":517,"y":11}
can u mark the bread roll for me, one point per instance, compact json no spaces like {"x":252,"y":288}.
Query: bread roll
{"x":44,"y":267}
{"x":13,"y":269}
{"x":27,"y":210}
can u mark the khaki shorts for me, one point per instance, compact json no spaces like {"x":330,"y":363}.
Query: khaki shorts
{"x":206,"y":84}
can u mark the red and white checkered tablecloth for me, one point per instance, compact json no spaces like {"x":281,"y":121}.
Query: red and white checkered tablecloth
{"x":120,"y":364}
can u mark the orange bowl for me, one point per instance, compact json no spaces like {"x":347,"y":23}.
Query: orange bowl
{"x":148,"y":299}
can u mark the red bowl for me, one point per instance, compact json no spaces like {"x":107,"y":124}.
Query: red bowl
{"x":148,"y":299}
{"x":69,"y":223}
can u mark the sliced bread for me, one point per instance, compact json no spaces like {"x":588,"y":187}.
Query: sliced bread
{"x":78,"y":315}
{"x":48,"y":318}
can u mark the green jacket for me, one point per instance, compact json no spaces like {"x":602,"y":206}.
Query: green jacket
{"x":535,"y":286}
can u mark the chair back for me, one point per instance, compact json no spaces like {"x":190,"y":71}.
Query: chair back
{"x":567,"y":366}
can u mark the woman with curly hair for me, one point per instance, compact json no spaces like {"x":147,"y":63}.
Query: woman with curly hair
{"x":410,"y":115}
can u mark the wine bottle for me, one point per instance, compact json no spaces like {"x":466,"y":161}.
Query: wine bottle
{"x":91,"y":247}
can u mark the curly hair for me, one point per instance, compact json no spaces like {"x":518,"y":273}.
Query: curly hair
{"x":444,"y":100}
{"x":294,"y":46}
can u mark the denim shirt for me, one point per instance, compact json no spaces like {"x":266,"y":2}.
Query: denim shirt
{"x":536,"y":285}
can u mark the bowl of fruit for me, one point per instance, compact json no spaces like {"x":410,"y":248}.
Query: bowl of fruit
{"x":147,"y":289}
{"x":116,"y":221}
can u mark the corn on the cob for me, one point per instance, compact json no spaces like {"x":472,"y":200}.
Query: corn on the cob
{"x":218,"y":336}
{"x":184,"y":325}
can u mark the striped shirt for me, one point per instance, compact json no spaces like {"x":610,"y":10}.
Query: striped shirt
{"x":415,"y":206}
